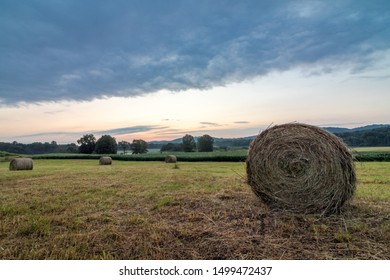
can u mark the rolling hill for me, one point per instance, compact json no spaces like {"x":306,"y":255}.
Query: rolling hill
{"x":374,"y":135}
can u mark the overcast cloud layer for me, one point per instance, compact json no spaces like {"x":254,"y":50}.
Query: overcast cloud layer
{"x":81,"y":50}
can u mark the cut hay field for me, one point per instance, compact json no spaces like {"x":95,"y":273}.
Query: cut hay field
{"x":77,"y":209}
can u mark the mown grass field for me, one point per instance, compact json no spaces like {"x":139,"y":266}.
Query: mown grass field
{"x":372,"y":149}
{"x":222,"y":156}
{"x":76,"y":209}
{"x":361,"y":154}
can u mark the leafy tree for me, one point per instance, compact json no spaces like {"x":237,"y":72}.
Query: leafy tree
{"x":87,"y":144}
{"x":70,"y":148}
{"x":205,"y":143}
{"x":37,"y":147}
{"x":171,"y":147}
{"x":189,"y":144}
{"x":106,"y":145}
{"x":124,"y":146}
{"x":139,"y":146}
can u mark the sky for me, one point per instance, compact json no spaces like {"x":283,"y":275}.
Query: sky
{"x":157,"y":70}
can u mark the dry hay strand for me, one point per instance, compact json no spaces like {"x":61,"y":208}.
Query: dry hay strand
{"x":21,"y":164}
{"x":301,"y":168}
{"x":105,"y":161}
{"x":170,"y":159}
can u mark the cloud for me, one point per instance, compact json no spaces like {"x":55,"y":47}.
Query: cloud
{"x":241,"y":122}
{"x":77,"y":134}
{"x":82,"y":50}
{"x":54,"y":112}
{"x":210,"y":124}
{"x":130,"y":129}
{"x":170,"y":120}
{"x":48,"y":136}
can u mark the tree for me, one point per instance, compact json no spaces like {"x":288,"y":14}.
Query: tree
{"x":106,"y":145}
{"x":189,"y":144}
{"x":87,"y":144}
{"x":139,"y":146}
{"x":205,"y":143}
{"x":70,"y":148}
{"x":171,"y":147}
{"x":124,"y":145}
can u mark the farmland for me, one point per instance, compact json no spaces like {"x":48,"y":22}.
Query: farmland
{"x":76,"y":209}
{"x":235,"y":155}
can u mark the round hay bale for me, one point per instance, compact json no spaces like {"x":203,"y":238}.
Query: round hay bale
{"x":105,"y":161}
{"x":170,"y":159}
{"x":21,"y":164}
{"x":301,"y":168}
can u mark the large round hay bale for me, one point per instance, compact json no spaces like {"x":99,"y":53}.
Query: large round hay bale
{"x":21,"y":164}
{"x":301,"y":168}
{"x":170,"y":159}
{"x":105,"y":161}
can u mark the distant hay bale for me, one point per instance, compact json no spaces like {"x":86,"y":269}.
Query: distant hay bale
{"x":170,"y":159}
{"x":21,"y":164}
{"x":301,"y":168}
{"x":105,"y":161}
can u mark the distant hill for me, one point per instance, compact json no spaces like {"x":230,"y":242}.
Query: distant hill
{"x":242,"y":142}
{"x":374,"y":135}
{"x":377,"y":137}
{"x":160,"y":143}
{"x":336,"y":129}
{"x":342,"y":129}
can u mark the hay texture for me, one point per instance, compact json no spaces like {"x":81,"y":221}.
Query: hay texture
{"x":105,"y":161}
{"x":301,"y":168}
{"x":170,"y":159}
{"x":21,"y":164}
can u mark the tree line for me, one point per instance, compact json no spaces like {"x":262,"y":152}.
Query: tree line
{"x":38,"y":148}
{"x":204,"y":143}
{"x":87,"y":145}
{"x":378,"y":137}
{"x":106,"y":144}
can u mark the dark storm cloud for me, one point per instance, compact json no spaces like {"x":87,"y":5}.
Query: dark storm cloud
{"x":81,"y":50}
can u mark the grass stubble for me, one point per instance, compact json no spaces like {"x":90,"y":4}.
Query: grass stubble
{"x":76,"y":209}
